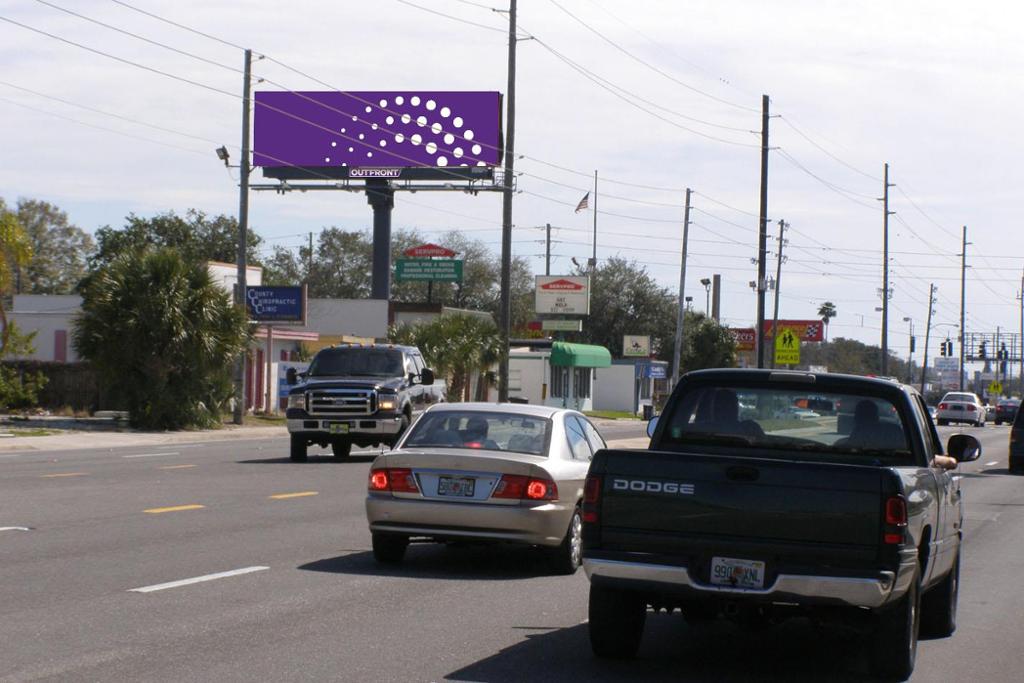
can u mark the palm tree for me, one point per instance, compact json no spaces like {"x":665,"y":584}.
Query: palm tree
{"x":15,"y":252}
{"x":165,"y":333}
{"x":826,"y":312}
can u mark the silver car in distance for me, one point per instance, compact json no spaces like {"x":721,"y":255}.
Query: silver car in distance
{"x":484,"y":472}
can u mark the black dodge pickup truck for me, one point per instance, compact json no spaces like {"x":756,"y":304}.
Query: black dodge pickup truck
{"x":358,"y":394}
{"x":755,"y":517}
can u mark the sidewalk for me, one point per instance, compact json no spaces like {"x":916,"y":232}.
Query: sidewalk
{"x":76,"y":440}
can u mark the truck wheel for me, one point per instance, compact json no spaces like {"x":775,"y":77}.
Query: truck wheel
{"x":389,"y":548}
{"x":341,"y":448}
{"x":894,"y":641}
{"x":567,"y":556}
{"x":298,"y":448}
{"x":402,"y":426}
{"x":616,"y":622}
{"x":938,"y":606}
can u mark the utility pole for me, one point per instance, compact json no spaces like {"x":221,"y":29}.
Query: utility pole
{"x":593,"y":260}
{"x":762,"y":233}
{"x":910,"y":353}
{"x":243,"y":231}
{"x":677,"y":352}
{"x":927,"y":334}
{"x":963,"y":293}
{"x":1021,"y":345}
{"x":506,"y":207}
{"x":885,"y":274}
{"x":309,"y":265}
{"x":547,"y":252}
{"x":778,"y":278}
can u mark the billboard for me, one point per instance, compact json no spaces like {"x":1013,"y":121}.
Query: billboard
{"x":745,"y":338}
{"x":428,"y":269}
{"x":565,"y":294}
{"x":807,"y":330}
{"x":276,"y":304}
{"x":376,"y":134}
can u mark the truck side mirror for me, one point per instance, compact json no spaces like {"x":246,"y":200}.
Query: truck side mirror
{"x":652,"y":425}
{"x":963,"y":447}
{"x":427,"y":376}
{"x":291,"y":376}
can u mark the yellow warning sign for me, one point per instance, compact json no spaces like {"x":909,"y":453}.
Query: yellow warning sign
{"x":995,"y":389}
{"x":787,"y":347}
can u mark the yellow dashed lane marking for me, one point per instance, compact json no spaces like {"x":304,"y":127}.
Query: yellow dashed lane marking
{"x":175,"y":467}
{"x":300,"y":494}
{"x":64,"y":474}
{"x":176,"y":508}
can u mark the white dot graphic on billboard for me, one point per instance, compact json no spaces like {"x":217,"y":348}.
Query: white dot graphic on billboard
{"x":416,"y":139}
{"x":477,"y":149}
{"x":457,"y":122}
{"x":435,"y":128}
{"x":442,"y":161}
{"x":449,"y":138}
{"x":414,"y":101}
{"x":383,"y":103}
{"x":457,"y":152}
{"x":468,"y":134}
{"x":445,"y":112}
{"x":399,"y":100}
{"x":430,"y":147}
{"x":389,"y":120}
{"x":431,"y":105}
{"x":399,"y":138}
{"x":406,"y":118}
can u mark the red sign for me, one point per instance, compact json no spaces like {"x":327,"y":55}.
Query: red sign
{"x":562,"y":286}
{"x":427,"y":250}
{"x":807,"y":330}
{"x":744,"y":338}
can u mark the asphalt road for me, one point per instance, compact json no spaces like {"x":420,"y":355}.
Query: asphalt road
{"x":290,"y":590}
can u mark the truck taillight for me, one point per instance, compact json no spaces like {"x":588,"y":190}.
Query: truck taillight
{"x":394,"y":479}
{"x":895,"y":520}
{"x":591,"y":498}
{"x":521,"y":487}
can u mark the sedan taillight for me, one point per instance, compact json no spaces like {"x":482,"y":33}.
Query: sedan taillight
{"x":970,"y":407}
{"x":394,"y":479}
{"x":521,"y":487}
{"x":943,"y":406}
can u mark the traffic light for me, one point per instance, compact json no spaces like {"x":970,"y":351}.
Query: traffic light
{"x":981,"y":350}
{"x":912,"y":344}
{"x":942,"y":348}
{"x":949,"y":347}
{"x":1003,"y":354}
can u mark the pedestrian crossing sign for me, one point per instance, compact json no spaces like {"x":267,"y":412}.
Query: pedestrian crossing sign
{"x":787,"y":347}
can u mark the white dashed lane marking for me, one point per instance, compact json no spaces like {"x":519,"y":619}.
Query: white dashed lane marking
{"x":196,"y":579}
{"x":150,"y":455}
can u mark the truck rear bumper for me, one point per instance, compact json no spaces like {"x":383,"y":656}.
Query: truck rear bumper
{"x":801,"y":589}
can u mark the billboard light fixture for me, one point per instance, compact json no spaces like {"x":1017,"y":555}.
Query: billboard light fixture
{"x":222,"y":154}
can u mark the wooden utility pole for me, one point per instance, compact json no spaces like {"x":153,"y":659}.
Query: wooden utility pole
{"x":506,"y":207}
{"x":778,"y":279}
{"x":762,"y":234}
{"x":927,"y":334}
{"x":885,"y":274}
{"x":547,"y":251}
{"x":963,"y":293}
{"x":243,"y":231}
{"x":677,"y":352}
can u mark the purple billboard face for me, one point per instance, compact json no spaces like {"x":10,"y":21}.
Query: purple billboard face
{"x":377,"y":129}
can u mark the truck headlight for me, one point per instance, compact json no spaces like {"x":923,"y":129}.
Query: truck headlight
{"x":387,"y":403}
{"x":297,"y":401}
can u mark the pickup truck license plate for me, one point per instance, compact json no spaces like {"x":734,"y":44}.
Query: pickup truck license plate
{"x":339,"y":428}
{"x":456,"y":487}
{"x":729,"y":571}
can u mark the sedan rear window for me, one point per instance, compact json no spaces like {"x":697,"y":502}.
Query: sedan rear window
{"x":481,"y":430}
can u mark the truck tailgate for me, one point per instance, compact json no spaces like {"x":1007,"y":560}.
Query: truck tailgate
{"x":670,"y":499}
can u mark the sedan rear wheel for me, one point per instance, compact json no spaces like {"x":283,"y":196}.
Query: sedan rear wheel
{"x":389,"y":548}
{"x":567,"y":557}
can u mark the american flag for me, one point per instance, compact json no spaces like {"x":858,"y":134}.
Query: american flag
{"x":584,"y":203}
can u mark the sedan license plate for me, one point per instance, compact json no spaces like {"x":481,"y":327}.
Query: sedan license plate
{"x":339,"y":428}
{"x":729,"y":571}
{"x":456,"y":487}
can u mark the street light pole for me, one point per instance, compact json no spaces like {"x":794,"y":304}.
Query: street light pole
{"x":707,"y":298}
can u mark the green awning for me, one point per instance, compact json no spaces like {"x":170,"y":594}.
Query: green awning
{"x":568,"y":355}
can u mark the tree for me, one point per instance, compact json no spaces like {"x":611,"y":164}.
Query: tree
{"x":155,"y":324}
{"x":851,"y":357}
{"x":455,"y":346}
{"x":60,"y":250}
{"x":196,"y":236}
{"x":15,"y":254}
{"x":625,"y":299}
{"x":706,"y":344}
{"x":826,"y":312}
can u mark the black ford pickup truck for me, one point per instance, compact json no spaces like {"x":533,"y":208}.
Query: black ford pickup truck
{"x":358,"y":394}
{"x":748,"y":514}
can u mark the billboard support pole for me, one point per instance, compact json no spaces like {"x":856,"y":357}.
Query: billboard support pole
{"x":506,"y":208}
{"x":381,"y":196}
{"x":269,"y":408}
{"x":243,"y":230}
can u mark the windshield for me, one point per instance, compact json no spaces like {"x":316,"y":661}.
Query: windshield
{"x":797,"y":423}
{"x":357,"y":362}
{"x":479,"y":430}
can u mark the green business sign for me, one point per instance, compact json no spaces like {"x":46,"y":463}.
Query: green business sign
{"x":428,"y":270}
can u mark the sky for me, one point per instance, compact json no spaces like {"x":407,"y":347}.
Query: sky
{"x":655,"y":95}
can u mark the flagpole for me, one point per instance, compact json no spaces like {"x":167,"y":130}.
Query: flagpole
{"x":593,"y":261}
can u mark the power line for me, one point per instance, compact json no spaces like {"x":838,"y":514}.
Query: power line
{"x":176,"y":24}
{"x":451,"y":16}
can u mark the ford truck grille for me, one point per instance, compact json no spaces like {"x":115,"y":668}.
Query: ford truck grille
{"x":342,"y":402}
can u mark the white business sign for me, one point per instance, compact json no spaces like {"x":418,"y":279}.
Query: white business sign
{"x":563,"y":294}
{"x":945,"y":364}
{"x":636,"y":346}
{"x":562,"y":325}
